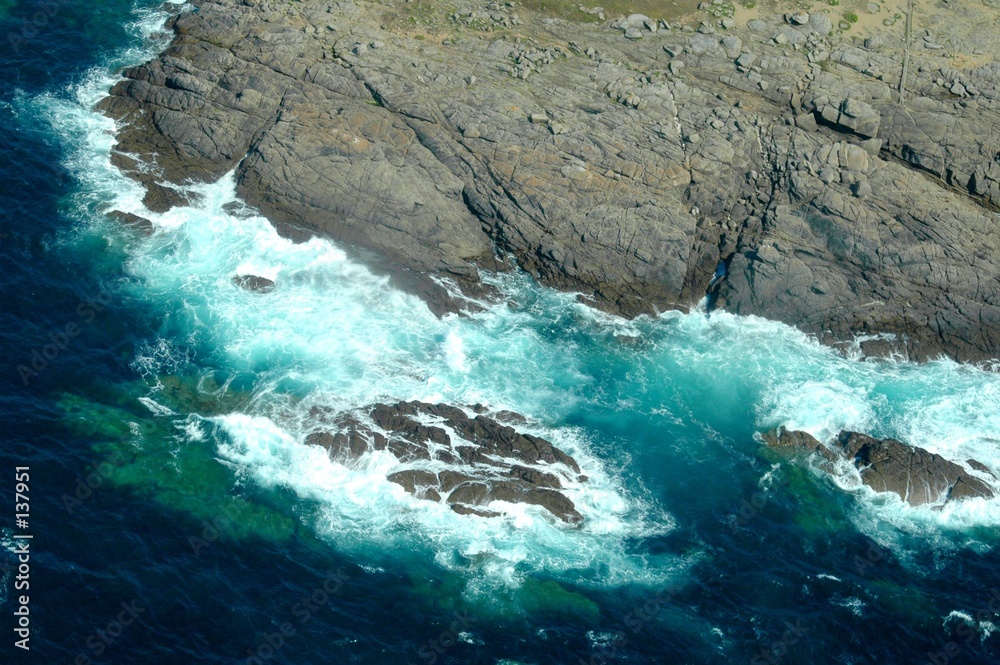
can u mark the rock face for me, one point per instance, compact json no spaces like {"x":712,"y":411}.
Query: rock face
{"x":918,"y":476}
{"x":625,"y":169}
{"x":487,"y":461}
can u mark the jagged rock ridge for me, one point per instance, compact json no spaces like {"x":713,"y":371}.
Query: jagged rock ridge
{"x":918,"y":476}
{"x":447,"y":455}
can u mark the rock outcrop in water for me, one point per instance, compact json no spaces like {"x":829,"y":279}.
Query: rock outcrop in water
{"x":918,"y":476}
{"x":138,"y":224}
{"x":254,"y":283}
{"x":627,"y":166}
{"x":446,"y":455}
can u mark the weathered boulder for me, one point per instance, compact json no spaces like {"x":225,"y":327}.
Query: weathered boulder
{"x":821,"y":23}
{"x":487,"y":460}
{"x":918,"y":476}
{"x":852,"y":115}
{"x":634,"y":22}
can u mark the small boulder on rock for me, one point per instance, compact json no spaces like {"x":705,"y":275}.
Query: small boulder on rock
{"x":634,"y":22}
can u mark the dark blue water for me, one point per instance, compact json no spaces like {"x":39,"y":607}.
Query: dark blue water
{"x":188,"y":527}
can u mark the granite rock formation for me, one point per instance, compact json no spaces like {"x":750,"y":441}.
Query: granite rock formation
{"x":629,"y":160}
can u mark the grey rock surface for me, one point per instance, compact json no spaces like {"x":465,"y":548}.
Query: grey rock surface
{"x":138,"y":224}
{"x":652,"y":160}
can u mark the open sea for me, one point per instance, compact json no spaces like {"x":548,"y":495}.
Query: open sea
{"x":177,"y":516}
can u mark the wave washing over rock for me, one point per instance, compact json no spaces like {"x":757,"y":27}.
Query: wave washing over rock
{"x":284,"y":279}
{"x":468,"y":462}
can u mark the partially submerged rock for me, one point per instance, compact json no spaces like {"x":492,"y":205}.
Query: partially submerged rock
{"x":254,"y":283}
{"x":133,"y":221}
{"x":793,"y":440}
{"x":918,"y":476}
{"x":486,"y":460}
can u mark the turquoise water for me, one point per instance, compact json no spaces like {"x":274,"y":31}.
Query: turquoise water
{"x":190,"y":399}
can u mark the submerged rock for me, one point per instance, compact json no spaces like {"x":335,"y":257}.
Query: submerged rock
{"x":486,"y":460}
{"x":918,"y":476}
{"x":254,"y":283}
{"x":132,"y":221}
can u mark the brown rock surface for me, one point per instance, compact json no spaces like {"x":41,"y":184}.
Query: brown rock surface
{"x":918,"y":476}
{"x":138,"y":224}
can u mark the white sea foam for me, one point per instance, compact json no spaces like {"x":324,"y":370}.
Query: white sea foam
{"x":156,"y":408}
{"x":853,"y":603}
{"x":345,"y":338}
{"x":984,"y":627}
{"x":602,"y":640}
{"x":822,"y":408}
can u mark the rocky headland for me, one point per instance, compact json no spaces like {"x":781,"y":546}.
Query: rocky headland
{"x":833,"y":166}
